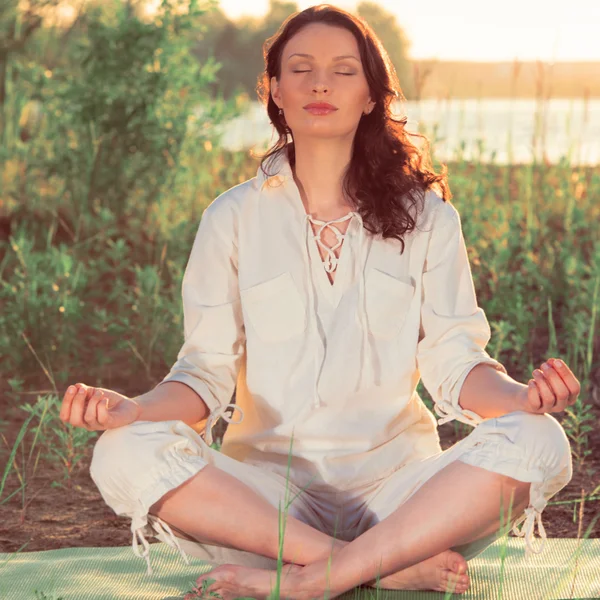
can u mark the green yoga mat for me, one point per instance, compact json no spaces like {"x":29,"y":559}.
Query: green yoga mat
{"x":568,"y":568}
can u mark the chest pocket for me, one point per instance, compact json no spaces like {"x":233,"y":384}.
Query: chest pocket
{"x":275,"y":308}
{"x":387,"y":301}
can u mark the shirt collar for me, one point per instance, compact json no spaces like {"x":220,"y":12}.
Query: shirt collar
{"x":279,"y":167}
{"x":281,"y":173}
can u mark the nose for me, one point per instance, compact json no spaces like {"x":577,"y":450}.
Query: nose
{"x":319,"y":87}
{"x":320,"y":81}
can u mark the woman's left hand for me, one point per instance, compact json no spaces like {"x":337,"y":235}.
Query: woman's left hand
{"x":554,"y":388}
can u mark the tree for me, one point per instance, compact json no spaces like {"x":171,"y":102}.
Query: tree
{"x":394,"y":40}
{"x":17,"y":25}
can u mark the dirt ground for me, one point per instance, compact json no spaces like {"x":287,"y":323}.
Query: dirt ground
{"x":60,"y":518}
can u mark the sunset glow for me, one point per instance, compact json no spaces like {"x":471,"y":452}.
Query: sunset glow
{"x":471,"y":30}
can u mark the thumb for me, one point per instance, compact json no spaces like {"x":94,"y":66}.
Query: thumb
{"x":111,"y":402}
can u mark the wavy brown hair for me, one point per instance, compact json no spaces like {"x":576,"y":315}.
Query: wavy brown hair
{"x":386,"y":171}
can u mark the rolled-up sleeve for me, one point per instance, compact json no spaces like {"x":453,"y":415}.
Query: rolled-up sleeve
{"x":454,"y":330}
{"x":214,"y":334}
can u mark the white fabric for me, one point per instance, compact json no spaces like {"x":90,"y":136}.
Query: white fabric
{"x":136,"y":465}
{"x":336,"y":366}
{"x":328,"y":371}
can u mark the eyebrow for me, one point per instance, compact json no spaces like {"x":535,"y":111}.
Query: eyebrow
{"x":334,"y":58}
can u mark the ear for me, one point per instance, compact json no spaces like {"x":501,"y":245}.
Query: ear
{"x":275,"y":91}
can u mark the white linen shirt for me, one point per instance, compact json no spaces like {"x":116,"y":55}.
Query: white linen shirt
{"x":336,"y":366}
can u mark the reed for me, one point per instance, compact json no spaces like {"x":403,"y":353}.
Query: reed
{"x":90,"y":287}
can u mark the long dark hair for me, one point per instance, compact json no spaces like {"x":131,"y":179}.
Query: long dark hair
{"x":385,"y":169}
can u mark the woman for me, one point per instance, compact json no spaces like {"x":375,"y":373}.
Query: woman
{"x":324,"y":336}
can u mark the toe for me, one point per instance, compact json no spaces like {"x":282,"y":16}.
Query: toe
{"x":456,"y":587}
{"x":452,"y":578}
{"x":455,"y":562}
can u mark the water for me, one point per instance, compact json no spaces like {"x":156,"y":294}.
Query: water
{"x":471,"y":129}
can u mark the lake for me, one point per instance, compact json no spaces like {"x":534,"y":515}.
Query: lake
{"x":472,"y":128}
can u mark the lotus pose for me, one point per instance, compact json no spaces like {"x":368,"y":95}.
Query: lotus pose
{"x":321,"y":291}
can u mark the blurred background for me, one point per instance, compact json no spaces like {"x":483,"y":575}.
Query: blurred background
{"x":121,"y":120}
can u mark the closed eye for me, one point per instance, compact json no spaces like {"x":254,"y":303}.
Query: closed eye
{"x":337,"y":73}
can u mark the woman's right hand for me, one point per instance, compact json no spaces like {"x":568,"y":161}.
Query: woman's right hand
{"x":86,"y":406}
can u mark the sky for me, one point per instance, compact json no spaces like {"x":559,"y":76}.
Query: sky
{"x":477,"y":30}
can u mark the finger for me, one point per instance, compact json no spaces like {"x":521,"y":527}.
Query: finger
{"x":103,"y":412}
{"x":78,"y":406}
{"x":533,"y":396}
{"x":557,"y":385}
{"x":91,"y":412}
{"x":65,"y":409}
{"x":570,"y":381}
{"x":563,"y":367}
{"x":546,"y":393}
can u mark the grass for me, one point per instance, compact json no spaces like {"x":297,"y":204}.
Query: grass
{"x":505,"y":527}
{"x":74,"y":271}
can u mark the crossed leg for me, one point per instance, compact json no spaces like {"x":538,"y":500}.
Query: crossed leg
{"x":458,"y":505}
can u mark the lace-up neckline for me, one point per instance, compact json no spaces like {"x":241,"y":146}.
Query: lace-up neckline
{"x":331,"y":260}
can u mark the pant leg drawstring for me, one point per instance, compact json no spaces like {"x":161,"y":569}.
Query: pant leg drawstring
{"x":159,"y":526}
{"x":146,"y":553}
{"x":529,"y":518}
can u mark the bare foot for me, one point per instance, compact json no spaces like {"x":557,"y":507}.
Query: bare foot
{"x":235,"y":581}
{"x":437,"y":573}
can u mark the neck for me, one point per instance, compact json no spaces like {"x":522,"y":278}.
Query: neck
{"x":318,"y":172}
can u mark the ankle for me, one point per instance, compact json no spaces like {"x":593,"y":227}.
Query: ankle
{"x":334,"y":548}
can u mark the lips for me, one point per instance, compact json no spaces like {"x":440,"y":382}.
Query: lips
{"x":320,"y":105}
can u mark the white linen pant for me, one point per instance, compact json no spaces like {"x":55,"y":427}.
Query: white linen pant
{"x":135,"y":465}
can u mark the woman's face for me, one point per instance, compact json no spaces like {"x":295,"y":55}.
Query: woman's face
{"x":322,"y":78}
